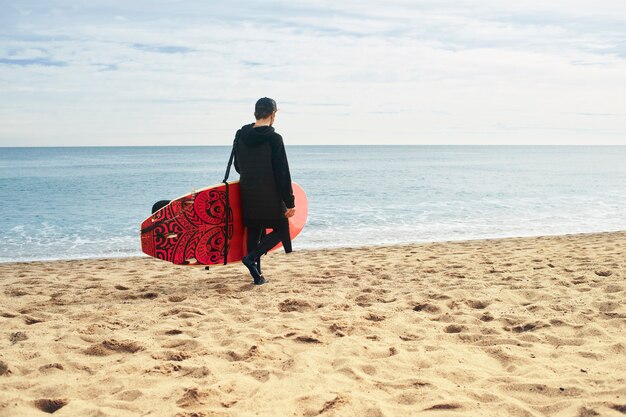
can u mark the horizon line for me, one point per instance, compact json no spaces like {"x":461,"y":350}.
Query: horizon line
{"x":293,"y":145}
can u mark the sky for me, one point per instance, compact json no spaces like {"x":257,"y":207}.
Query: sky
{"x":101,"y":73}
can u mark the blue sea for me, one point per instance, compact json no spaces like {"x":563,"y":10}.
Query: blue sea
{"x":69,"y":203}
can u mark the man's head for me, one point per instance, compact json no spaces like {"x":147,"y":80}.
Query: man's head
{"x":264,"y":108}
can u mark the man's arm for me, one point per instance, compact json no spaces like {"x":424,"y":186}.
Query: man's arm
{"x":282,"y":175}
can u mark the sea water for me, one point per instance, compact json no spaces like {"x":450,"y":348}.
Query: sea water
{"x":68,"y":203}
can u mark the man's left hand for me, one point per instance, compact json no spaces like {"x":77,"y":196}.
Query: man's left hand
{"x":290,"y":212}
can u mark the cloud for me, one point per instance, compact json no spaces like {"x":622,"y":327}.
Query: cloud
{"x":164,"y":49}
{"x":408,"y":72}
{"x":32,"y":61}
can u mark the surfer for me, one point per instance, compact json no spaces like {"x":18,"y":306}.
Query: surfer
{"x":265,"y":184}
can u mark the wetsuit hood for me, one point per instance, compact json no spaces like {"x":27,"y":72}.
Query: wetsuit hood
{"x":256,"y":136}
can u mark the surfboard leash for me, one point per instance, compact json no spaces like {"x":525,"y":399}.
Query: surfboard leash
{"x":227,"y":211}
{"x":226,"y":223}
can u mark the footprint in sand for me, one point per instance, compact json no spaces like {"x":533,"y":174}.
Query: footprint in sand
{"x":588,"y":412}
{"x":486,"y":317}
{"x":260,"y":375}
{"x":544,"y":390}
{"x":249,"y":354}
{"x":32,"y":320}
{"x":50,"y":366}
{"x":454,"y":328}
{"x":366,"y":300}
{"x":374,"y":317}
{"x":192,"y":397}
{"x":307,"y":339}
{"x":130,"y":395}
{"x":429,"y":308}
{"x":526,"y":327}
{"x":328,"y":406}
{"x":610,"y":289}
{"x":607,"y":306}
{"x":49,"y":405}
{"x":149,"y":295}
{"x":321,"y":282}
{"x":339,"y":330}
{"x":443,"y":407}
{"x":184,"y":313}
{"x":290,"y":304}
{"x":109,"y":347}
{"x":196,"y":371}
{"x":177,"y":356}
{"x":4,"y":368}
{"x":17,"y":337}
{"x":409,"y":337}
{"x":165,"y":369}
{"x":15,"y":292}
{"x":477,"y":304}
{"x":181,"y":344}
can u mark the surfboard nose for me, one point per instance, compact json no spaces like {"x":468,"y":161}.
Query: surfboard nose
{"x":147,"y":238}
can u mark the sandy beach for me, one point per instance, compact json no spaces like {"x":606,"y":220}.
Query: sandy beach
{"x":508,"y":327}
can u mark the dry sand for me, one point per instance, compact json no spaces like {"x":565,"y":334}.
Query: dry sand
{"x":511,"y":327}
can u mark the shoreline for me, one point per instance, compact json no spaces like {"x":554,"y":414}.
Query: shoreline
{"x":527,"y":326}
{"x":356,"y":247}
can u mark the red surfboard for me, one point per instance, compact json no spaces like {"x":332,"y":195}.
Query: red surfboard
{"x":206,"y":227}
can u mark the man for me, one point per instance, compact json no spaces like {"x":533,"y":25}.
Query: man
{"x":265,"y":184}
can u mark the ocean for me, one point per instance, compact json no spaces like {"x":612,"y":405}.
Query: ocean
{"x":70,"y":203}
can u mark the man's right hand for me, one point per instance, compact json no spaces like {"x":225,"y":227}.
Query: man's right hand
{"x":290,"y":212}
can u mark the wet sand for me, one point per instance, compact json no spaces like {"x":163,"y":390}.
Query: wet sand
{"x":509,"y":327}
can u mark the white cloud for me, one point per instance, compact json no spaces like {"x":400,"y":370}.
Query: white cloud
{"x":408,"y":72}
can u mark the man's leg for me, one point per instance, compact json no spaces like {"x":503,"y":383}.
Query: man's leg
{"x":255,"y":235}
{"x":250,"y":261}
{"x":264,"y":246}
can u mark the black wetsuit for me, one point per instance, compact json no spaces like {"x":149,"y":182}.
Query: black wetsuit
{"x":265,"y":186}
